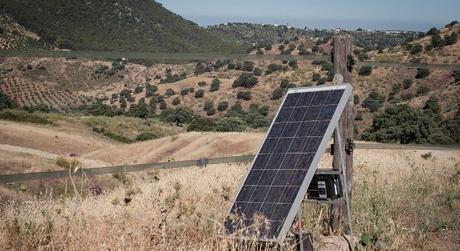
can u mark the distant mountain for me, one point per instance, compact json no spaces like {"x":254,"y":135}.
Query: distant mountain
{"x":114,"y":25}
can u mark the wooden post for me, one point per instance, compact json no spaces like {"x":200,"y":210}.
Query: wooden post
{"x":342,"y":52}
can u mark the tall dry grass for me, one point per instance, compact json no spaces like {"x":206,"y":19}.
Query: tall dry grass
{"x":401,"y":201}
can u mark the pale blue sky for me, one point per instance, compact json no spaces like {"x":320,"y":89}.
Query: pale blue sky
{"x":369,"y":14}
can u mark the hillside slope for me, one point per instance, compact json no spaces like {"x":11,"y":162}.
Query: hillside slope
{"x":122,"y":25}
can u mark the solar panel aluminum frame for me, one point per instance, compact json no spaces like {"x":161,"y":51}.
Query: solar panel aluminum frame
{"x":348,"y":89}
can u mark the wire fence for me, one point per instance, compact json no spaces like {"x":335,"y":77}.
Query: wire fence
{"x":11,"y":178}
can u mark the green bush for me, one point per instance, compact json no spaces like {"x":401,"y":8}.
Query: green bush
{"x":147,"y":136}
{"x":422,"y":73}
{"x":416,"y":49}
{"x":407,"y":83}
{"x":211,"y":111}
{"x":246,"y":80}
{"x":202,"y":83}
{"x":256,"y":120}
{"x":365,"y":71}
{"x":199,"y":93}
{"x":359,"y":116}
{"x":293,"y":64}
{"x":356,"y":99}
{"x":248,"y":66}
{"x":245,"y":95}
{"x":209,"y":104}
{"x":453,"y":126}
{"x":6,"y":102}
{"x":223,"y":105}
{"x":25,"y":117}
{"x":176,"y":101}
{"x":185,"y":91}
{"x":432,"y":104}
{"x":178,"y":116}
{"x":422,"y":90}
{"x":215,"y":85}
{"x":257,"y":72}
{"x":277,"y":93}
{"x":199,"y":124}
{"x":405,"y":125}
{"x":150,"y":90}
{"x":374,"y":101}
{"x":169,"y":92}
{"x":315,"y":77}
{"x":230,"y":124}
{"x":140,"y":110}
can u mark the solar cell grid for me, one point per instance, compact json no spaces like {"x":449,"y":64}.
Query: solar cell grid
{"x":283,"y":161}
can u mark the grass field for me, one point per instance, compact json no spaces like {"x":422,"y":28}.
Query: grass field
{"x":403,"y":200}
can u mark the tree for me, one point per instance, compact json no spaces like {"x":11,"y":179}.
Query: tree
{"x":176,"y":101}
{"x":199,"y":93}
{"x":150,"y":90}
{"x":422,"y":90}
{"x":432,"y":31}
{"x":245,"y":95}
{"x":140,"y":110}
{"x":211,"y":111}
{"x":223,"y":105}
{"x":178,"y":116}
{"x":365,"y":70}
{"x":246,"y":80}
{"x":6,"y":102}
{"x":185,"y":91}
{"x":454,"y":127}
{"x":422,"y":73}
{"x":199,"y":124}
{"x":277,"y":93}
{"x":215,"y":85}
{"x":209,"y":104}
{"x":407,"y":83}
{"x":374,"y":101}
{"x":432,"y":104}
{"x":138,"y":89}
{"x":405,"y":125}
{"x":437,"y":41}
{"x":416,"y":49}
{"x":248,"y":66}
{"x":169,"y":92}
{"x":230,"y":124}
{"x":257,"y":71}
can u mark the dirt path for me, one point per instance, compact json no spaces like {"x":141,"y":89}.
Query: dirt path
{"x":19,"y":149}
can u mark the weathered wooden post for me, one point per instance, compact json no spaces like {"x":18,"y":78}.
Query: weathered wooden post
{"x":342,"y":57}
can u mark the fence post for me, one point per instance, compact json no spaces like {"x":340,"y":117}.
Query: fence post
{"x":342,"y":57}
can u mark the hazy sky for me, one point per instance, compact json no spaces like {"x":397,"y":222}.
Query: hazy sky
{"x":351,"y":14}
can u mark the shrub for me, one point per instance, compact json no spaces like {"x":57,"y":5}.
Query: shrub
{"x":246,"y":80}
{"x":215,"y":85}
{"x":256,"y":120}
{"x":456,"y":76}
{"x":257,"y":71}
{"x":432,"y":104}
{"x":202,"y":83}
{"x":230,"y":124}
{"x":211,"y":111}
{"x":407,"y":83}
{"x":169,"y":92}
{"x":163,"y":105}
{"x":201,"y":125}
{"x":437,"y":41}
{"x":147,"y":136}
{"x":6,"y":102}
{"x":422,"y":90}
{"x":179,"y":116}
{"x":150,"y":90}
{"x":365,"y":70}
{"x":450,"y":39}
{"x":176,"y":101}
{"x":22,"y":116}
{"x":245,"y":95}
{"x":185,"y":91}
{"x":407,"y":96}
{"x":248,"y":66}
{"x":453,"y":126}
{"x":405,"y":125}
{"x":273,"y":68}
{"x":138,"y":89}
{"x":293,"y":64}
{"x":284,"y":83}
{"x":316,"y":77}
{"x":416,"y":49}
{"x":231,"y":66}
{"x":223,"y":105}
{"x":199,"y":93}
{"x":359,"y":116}
{"x":374,"y":101}
{"x":356,"y":99}
{"x":422,"y":73}
{"x":277,"y":93}
{"x":432,"y":31}
{"x":208,"y":105}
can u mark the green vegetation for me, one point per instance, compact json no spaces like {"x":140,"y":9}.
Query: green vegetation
{"x":365,"y":70}
{"x":230,"y":124}
{"x":6,"y":102}
{"x":422,"y":73}
{"x":405,"y":125}
{"x":374,"y":101}
{"x":24,"y":117}
{"x":244,"y":95}
{"x":199,"y":93}
{"x":246,"y":80}
{"x":122,"y":26}
{"x":178,"y":116}
{"x":407,"y":83}
{"x":215,"y":85}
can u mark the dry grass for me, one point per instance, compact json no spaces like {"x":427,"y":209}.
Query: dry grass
{"x":401,"y":201}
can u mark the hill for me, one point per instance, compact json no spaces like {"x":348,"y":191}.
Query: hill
{"x":113,"y":25}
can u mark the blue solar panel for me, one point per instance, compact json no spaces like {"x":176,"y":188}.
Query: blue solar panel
{"x":302,"y":127}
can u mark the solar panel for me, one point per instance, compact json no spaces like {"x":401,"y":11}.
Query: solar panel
{"x":284,"y":166}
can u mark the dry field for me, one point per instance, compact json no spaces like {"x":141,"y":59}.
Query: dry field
{"x":403,"y":200}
